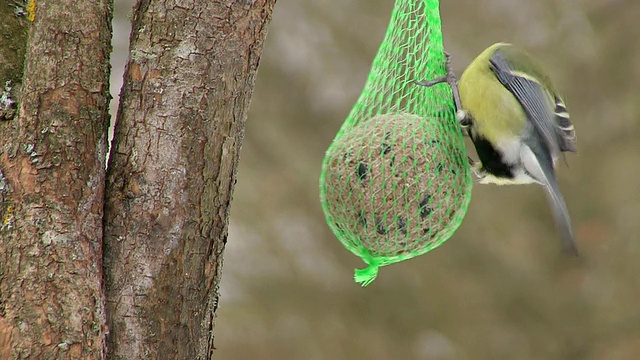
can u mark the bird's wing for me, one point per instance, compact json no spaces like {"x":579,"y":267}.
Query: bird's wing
{"x":556,"y":131}
{"x":563,"y":122}
{"x":549,"y":133}
{"x":539,"y":165}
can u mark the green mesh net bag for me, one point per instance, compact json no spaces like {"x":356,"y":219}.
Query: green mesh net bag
{"x":395,"y":181}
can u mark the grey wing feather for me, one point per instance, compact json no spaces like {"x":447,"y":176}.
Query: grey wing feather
{"x":540,"y":166}
{"x":556,"y":132}
{"x":550,"y":133}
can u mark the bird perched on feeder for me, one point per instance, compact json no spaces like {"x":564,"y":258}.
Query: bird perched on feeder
{"x":518,"y":123}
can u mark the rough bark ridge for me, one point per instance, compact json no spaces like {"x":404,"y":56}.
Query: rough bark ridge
{"x":180,"y":127}
{"x":51,"y":188}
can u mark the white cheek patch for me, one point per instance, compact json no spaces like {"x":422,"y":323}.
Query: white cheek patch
{"x":510,"y":150}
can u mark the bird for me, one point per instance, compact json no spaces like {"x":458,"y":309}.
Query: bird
{"x":518,"y":123}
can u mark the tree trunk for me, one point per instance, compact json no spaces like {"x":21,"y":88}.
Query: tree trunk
{"x":180,"y":127}
{"x":52,"y":175}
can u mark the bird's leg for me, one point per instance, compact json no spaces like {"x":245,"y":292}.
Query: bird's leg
{"x":430,"y":83}
{"x":462,"y":116}
{"x":453,"y":83}
{"x":476,"y":168}
{"x":450,"y":78}
{"x":471,"y":161}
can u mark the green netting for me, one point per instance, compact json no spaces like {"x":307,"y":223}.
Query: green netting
{"x":395,"y":182}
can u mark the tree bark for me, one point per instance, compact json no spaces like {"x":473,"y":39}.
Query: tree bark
{"x":51,"y":187}
{"x":188,"y":84}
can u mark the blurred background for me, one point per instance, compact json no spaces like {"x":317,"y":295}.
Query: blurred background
{"x":499,"y":288}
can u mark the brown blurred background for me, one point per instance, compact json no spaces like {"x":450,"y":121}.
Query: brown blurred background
{"x":499,"y":288}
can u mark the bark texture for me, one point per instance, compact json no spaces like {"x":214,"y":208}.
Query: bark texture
{"x":51,"y":188}
{"x":188,"y":84}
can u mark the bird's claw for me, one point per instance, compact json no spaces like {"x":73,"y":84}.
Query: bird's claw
{"x":449,"y":78}
{"x":429,"y":83}
{"x":476,"y":167}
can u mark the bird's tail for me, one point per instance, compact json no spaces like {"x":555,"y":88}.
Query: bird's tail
{"x":541,"y":168}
